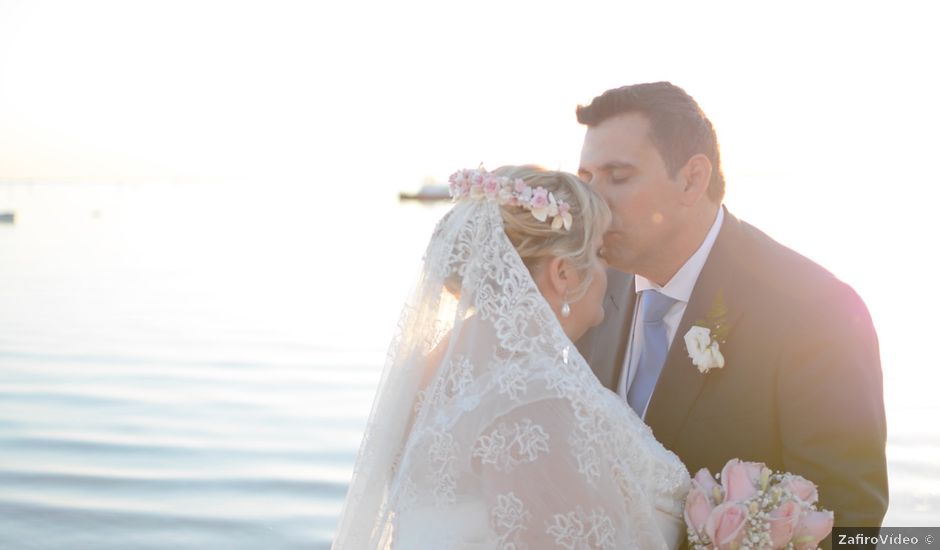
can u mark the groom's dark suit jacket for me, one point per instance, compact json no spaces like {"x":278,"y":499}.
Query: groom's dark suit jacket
{"x":801,"y":389}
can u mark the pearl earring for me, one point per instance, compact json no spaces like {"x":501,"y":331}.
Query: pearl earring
{"x":565,"y":307}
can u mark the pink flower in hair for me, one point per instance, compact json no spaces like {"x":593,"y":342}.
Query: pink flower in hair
{"x":491,"y":186}
{"x":563,"y":217}
{"x":540,"y":204}
{"x":539,"y":198}
{"x":480,"y":184}
{"x":525,"y":196}
{"x":455,"y":180}
{"x":459,"y":184}
{"x":505,"y":196}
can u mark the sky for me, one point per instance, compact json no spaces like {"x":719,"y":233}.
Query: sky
{"x":297,"y":91}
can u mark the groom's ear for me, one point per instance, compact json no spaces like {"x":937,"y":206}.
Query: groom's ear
{"x":695,"y":175}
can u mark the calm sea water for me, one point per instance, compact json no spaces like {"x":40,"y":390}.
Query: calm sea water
{"x":191,"y":366}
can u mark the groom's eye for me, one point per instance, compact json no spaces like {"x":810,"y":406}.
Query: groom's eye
{"x":621,"y":176}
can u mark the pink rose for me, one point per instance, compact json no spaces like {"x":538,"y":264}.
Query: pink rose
{"x":801,"y":488}
{"x":783,"y":522}
{"x":459,"y":186}
{"x":812,"y":528}
{"x":726,"y":525}
{"x":540,"y":198}
{"x":740,"y":480}
{"x":491,"y":186}
{"x":707,"y":484}
{"x":698,"y":508}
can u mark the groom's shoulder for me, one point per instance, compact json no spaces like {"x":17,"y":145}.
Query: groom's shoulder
{"x":775,"y":269}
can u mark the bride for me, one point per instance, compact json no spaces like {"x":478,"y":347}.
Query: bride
{"x":489,"y":430}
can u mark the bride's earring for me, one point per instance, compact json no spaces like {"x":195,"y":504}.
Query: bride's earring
{"x":565,"y":307}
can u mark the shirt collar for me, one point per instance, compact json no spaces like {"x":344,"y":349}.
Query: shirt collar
{"x":683,"y":282}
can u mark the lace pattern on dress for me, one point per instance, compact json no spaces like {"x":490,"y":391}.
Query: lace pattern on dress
{"x":489,"y":407}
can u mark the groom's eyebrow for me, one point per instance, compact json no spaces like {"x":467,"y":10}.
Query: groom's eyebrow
{"x":617,"y":164}
{"x":608,"y":166}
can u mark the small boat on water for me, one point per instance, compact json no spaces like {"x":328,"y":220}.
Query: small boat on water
{"x":7,"y":217}
{"x":428,"y":193}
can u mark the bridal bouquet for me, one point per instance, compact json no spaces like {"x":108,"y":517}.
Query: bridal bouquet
{"x":751,"y":507}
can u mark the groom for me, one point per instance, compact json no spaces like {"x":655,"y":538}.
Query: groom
{"x":798,"y":382}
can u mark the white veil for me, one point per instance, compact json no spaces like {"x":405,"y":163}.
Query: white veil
{"x":489,"y":430}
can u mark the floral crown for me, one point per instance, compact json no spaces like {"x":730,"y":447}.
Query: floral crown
{"x":480,"y":184}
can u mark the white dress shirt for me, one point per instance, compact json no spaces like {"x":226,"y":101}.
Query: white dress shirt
{"x":678,"y":288}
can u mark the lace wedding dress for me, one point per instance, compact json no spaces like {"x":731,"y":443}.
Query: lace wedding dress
{"x":489,"y":430}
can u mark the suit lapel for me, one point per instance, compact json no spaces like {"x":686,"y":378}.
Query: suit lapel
{"x":605,"y":345}
{"x":680,"y":382}
{"x":622,"y":336}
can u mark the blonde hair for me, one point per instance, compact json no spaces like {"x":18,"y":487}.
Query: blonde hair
{"x":536,"y":241}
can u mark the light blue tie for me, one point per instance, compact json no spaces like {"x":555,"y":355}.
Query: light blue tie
{"x":653,"y":305}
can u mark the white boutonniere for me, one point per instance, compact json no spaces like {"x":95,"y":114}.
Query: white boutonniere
{"x":703,"y":341}
{"x":703,"y":349}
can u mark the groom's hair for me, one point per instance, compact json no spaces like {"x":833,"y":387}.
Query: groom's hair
{"x":678,"y":127}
